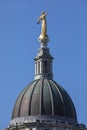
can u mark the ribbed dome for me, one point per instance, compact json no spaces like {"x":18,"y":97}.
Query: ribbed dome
{"x":44,"y":97}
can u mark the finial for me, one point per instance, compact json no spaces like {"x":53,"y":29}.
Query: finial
{"x":43,"y":38}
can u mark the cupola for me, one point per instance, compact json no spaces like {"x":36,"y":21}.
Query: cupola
{"x":43,"y":98}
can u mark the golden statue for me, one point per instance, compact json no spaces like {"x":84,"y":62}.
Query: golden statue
{"x":43,"y":38}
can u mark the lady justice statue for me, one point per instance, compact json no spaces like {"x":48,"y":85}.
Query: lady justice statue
{"x":43,"y":38}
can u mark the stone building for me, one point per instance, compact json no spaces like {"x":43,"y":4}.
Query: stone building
{"x":44,"y":104}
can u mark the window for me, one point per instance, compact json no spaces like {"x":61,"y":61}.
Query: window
{"x":45,"y":67}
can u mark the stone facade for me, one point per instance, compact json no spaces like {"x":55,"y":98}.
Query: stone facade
{"x":46,"y":125}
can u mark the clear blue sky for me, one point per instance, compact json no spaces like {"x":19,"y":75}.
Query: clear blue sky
{"x":67,"y":29}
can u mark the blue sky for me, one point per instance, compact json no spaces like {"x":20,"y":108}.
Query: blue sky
{"x":67,"y":30}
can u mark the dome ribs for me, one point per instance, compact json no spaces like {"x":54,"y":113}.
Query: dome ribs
{"x":51,"y":96}
{"x":44,"y":97}
{"x":30,"y":105}
{"x":41,"y":98}
{"x":60,"y":106}
{"x":46,"y":102}
{"x":17,"y":105}
{"x":19,"y":113}
{"x":71,"y":105}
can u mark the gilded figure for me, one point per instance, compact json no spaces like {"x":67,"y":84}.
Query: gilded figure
{"x":43,"y":36}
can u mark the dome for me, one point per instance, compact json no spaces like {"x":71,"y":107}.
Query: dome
{"x":44,"y":97}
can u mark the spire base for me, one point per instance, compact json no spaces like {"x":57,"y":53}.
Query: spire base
{"x":47,"y":76}
{"x":43,"y":41}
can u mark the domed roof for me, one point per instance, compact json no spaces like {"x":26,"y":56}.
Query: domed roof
{"x":44,"y":97}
